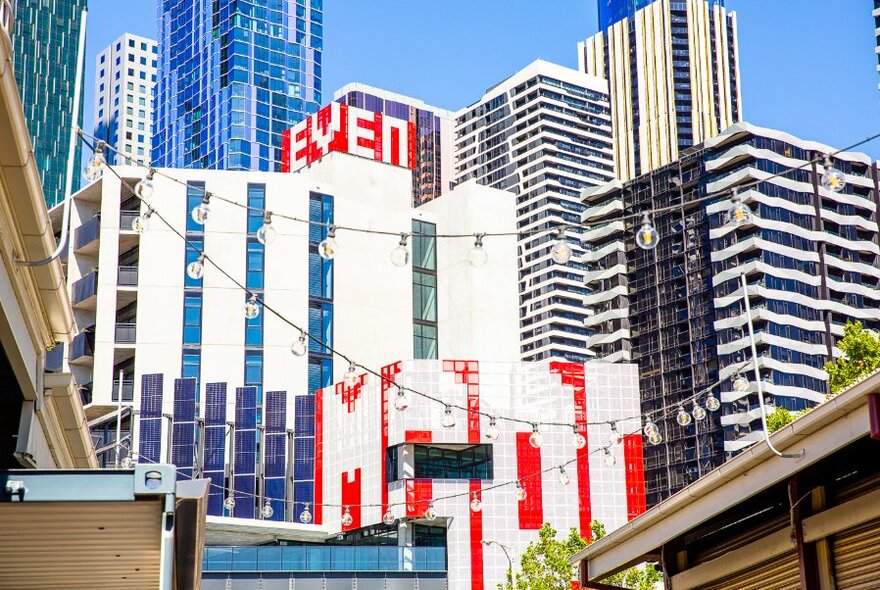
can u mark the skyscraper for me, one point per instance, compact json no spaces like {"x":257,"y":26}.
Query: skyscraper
{"x":125,"y":73}
{"x":46,"y":44}
{"x":876,"y":15}
{"x":673,"y":74}
{"x":232,"y":77}
{"x":542,"y":134}
{"x":809,"y":256}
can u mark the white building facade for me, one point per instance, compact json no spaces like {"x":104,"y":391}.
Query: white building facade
{"x":125,"y":74}
{"x":543,"y":134}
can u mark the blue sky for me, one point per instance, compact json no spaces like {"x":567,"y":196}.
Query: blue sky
{"x":805,"y":69}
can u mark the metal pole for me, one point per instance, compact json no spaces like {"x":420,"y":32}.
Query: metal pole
{"x":758,"y":372}
{"x":119,"y":423}
{"x":509,"y":561}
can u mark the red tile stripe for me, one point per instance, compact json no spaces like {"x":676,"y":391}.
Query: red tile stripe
{"x":468,"y":374}
{"x":528,"y":463}
{"x":411,"y":145}
{"x":388,"y":372}
{"x":418,"y":436}
{"x":476,"y":539}
{"x":351,"y":497}
{"x":319,"y":456}
{"x":634,"y":462}
{"x":285,"y":151}
{"x":419,"y":493}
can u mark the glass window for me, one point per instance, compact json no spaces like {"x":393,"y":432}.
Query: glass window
{"x":256,"y":200}
{"x":193,"y":250}
{"x":452,"y":461}
{"x":424,"y":296}
{"x":194,"y":195}
{"x":255,"y":261}
{"x":424,"y":341}
{"x":192,"y":318}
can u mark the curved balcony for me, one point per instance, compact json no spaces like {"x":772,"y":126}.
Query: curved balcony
{"x":7,"y":16}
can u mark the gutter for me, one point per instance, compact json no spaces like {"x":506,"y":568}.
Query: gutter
{"x":68,"y":407}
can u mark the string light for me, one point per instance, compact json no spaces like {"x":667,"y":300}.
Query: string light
{"x":614,"y":438}
{"x":647,"y":237}
{"x":477,"y":257}
{"x":252,"y":307}
{"x":712,"y":403}
{"x":561,"y":250}
{"x":536,"y":438}
{"x":430,"y":513}
{"x":196,"y":268}
{"x":400,"y":255}
{"x":351,"y":376}
{"x":401,"y":402}
{"x":682,"y":417}
{"x":305,"y":516}
{"x":740,"y":383}
{"x":519,"y":492}
{"x":328,"y":247}
{"x":739,"y":213}
{"x":95,"y":166}
{"x":492,"y":432}
{"x":129,"y":461}
{"x":144,"y":187}
{"x":609,"y":459}
{"x":266,"y":234}
{"x":388,"y":517}
{"x":698,"y":411}
{"x":832,"y":179}
{"x":448,"y":420}
{"x":476,"y":505}
{"x":650,"y":427}
{"x":202,"y":212}
{"x":300,"y":346}
{"x":229,"y":503}
{"x":267,"y":510}
{"x":580,"y":441}
{"x":141,"y":223}
{"x":654,"y":438}
{"x":564,"y":477}
{"x":346,"y":517}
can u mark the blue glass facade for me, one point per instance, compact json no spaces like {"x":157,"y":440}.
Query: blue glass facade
{"x":191,"y":360}
{"x":612,"y":11}
{"x":232,"y":76}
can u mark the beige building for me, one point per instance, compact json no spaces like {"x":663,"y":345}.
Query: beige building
{"x":673,"y":73}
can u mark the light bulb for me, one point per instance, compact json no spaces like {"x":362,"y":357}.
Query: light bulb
{"x":560,"y":252}
{"x":712,"y":403}
{"x":202,"y":212}
{"x":400,"y":255}
{"x":519,"y":493}
{"x":430,"y":513}
{"x":229,"y":503}
{"x":141,"y":223}
{"x":266,"y":234}
{"x":327,"y":248}
{"x":448,"y":420}
{"x":196,"y":268}
{"x":698,"y":411}
{"x":580,"y":441}
{"x":300,"y":346}
{"x":144,"y":187}
{"x":477,"y":257}
{"x":476,"y":505}
{"x":564,"y":477}
{"x":740,"y":383}
{"x":647,"y":237}
{"x":267,"y":510}
{"x":401,"y":402}
{"x":305,"y":516}
{"x":95,"y":166}
{"x":610,"y":459}
{"x":535,"y":439}
{"x":654,"y":438}
{"x":650,"y":427}
{"x":346,"y":517}
{"x":833,"y":179}
{"x":128,"y":462}
{"x":252,"y":308}
{"x":351,"y":376}
{"x":682,"y":417}
{"x":739,"y":213}
{"x":492,"y":432}
{"x":388,"y":517}
{"x":614,"y":438}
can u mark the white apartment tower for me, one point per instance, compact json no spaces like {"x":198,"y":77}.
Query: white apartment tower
{"x":125,"y":74}
{"x":544,"y":134}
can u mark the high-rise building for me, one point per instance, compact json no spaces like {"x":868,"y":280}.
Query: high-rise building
{"x":876,"y":15}
{"x":433,"y":131}
{"x":46,"y":46}
{"x":809,"y":256}
{"x":542,"y":134}
{"x":125,"y":73}
{"x":232,"y":77}
{"x":673,"y":74}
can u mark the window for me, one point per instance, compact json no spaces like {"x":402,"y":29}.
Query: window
{"x":131,"y":42}
{"x":141,"y":137}
{"x":450,"y":461}
{"x":192,"y":360}
{"x":143,"y":46}
{"x":103,"y":59}
{"x":102,"y":73}
{"x":128,"y":135}
{"x":131,"y":85}
{"x":128,"y":123}
{"x":142,"y":88}
{"x":253,"y":330}
{"x":142,"y":113}
{"x":424,"y":289}
{"x":194,"y":194}
{"x":193,"y":250}
{"x":142,"y":101}
{"x":101,"y":88}
{"x":130,"y":57}
{"x":129,"y":98}
{"x":101,"y":100}
{"x":253,"y":368}
{"x":143,"y":61}
{"x":192,"y":318}
{"x":140,"y":126}
{"x":254,"y":261}
{"x":129,"y":111}
{"x":143,"y":75}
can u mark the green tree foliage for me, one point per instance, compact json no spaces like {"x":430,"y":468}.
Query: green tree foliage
{"x":779,"y":418}
{"x":545,"y":566}
{"x":861,"y":349}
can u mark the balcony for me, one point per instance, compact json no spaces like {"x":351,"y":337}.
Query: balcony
{"x":128,"y":238}
{"x":85,"y":291}
{"x":324,"y":558}
{"x":86,"y":237}
{"x":126,"y":333}
{"x":82,"y":348}
{"x":127,"y":390}
{"x":85,"y":394}
{"x":128,"y":276}
{"x":7,"y":16}
{"x":54,"y":362}
{"x":127,"y":281}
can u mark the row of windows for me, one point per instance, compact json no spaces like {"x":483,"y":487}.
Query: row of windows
{"x":424,"y":249}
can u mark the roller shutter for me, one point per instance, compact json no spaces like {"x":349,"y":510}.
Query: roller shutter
{"x":780,"y":574}
{"x":857,"y":557}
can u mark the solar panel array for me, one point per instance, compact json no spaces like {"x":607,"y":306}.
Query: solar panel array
{"x":303,"y":451}
{"x":150,"y":447}
{"x":245,"y":462}
{"x":214,"y":464}
{"x":183,"y":432}
{"x":275,"y":453}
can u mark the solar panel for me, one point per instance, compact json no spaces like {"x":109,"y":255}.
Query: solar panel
{"x":275,"y":452}
{"x":183,"y":430}
{"x":303,"y":450}
{"x":245,"y":476}
{"x":214,"y":462}
{"x":150,"y":421}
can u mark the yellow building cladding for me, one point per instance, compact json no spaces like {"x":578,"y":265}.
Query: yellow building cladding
{"x":673,"y":74}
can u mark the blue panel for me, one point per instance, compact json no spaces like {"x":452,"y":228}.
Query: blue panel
{"x":275,"y":452}
{"x":183,"y":433}
{"x":150,"y":447}
{"x":303,"y":449}
{"x":214,"y":462}
{"x":245,"y":465}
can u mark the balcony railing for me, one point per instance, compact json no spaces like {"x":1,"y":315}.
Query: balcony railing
{"x":128,"y":276}
{"x":85,"y":394}
{"x":126,"y":218}
{"x":125,"y":333}
{"x":324,"y":558}
{"x":127,"y":390}
{"x":7,"y":16}
{"x":87,"y":233}
{"x":55,"y":359}
{"x":85,"y":288}
{"x":82,"y":346}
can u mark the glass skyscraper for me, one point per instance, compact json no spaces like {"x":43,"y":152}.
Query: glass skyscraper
{"x":45,"y":36}
{"x":233,"y":75}
{"x":612,"y":11}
